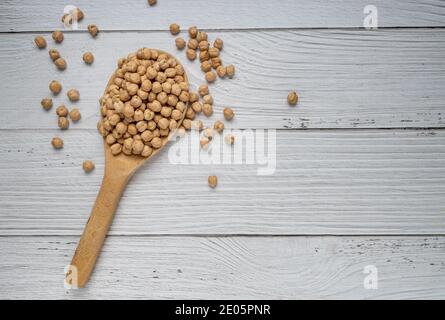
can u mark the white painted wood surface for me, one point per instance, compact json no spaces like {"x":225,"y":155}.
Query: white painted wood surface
{"x":346,"y":79}
{"x":229,"y":268}
{"x":377,"y":194}
{"x":29,"y":15}
{"x":326,"y":182}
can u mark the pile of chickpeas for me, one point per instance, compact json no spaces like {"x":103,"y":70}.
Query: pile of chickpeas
{"x":146,"y":100}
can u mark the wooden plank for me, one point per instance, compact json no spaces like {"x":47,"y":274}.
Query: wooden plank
{"x":325,"y":182}
{"x":28,"y":15}
{"x":346,"y":79}
{"x":229,"y":268}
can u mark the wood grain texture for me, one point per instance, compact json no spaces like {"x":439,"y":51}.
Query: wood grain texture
{"x":326,"y":182}
{"x":28,"y":15}
{"x":346,"y":79}
{"x":229,"y":268}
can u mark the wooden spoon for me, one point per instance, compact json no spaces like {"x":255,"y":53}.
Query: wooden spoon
{"x":118,"y":171}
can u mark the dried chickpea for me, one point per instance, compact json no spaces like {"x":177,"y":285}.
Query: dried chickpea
{"x":146,"y":151}
{"x":57,"y":36}
{"x":116,"y":149}
{"x":204,"y":142}
{"x":218,"y":126}
{"x":203,"y":90}
{"x":62,"y":111}
{"x":191,"y":54}
{"x":221,"y":71}
{"x":207,"y":99}
{"x":75,"y":114}
{"x":63,"y":123}
{"x":201,"y":36}
{"x":60,"y":64}
{"x":230,"y":71}
{"x":193,"y":32}
{"x":228,"y":114}
{"x":213,"y":52}
{"x":207,"y":109}
{"x":40,"y":42}
{"x":151,"y":2}
{"x":206,"y":66}
{"x":210,"y":76}
{"x":78,"y":14}
{"x":175,"y":29}
{"x":292,"y":98}
{"x":218,"y":43}
{"x":203,"y":45}
{"x":192,"y":44}
{"x":197,"y":106}
{"x":180,"y":43}
{"x":54,"y":54}
{"x":229,"y":139}
{"x":73,"y":95}
{"x":55,"y":87}
{"x":193,"y":97}
{"x":88,"y":166}
{"x":88,"y":58}
{"x":212,"y":181}
{"x":204,"y":56}
{"x":57,"y":143}
{"x":93,"y":30}
{"x":47,"y":103}
{"x":156,"y":142}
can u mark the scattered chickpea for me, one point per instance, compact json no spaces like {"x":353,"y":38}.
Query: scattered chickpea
{"x":229,"y":139}
{"x":201,"y":36}
{"x":175,"y":29}
{"x":40,"y":42}
{"x":57,"y":36}
{"x":60,"y":64}
{"x":207,"y":99}
{"x":47,"y":103}
{"x":292,"y":98}
{"x":228,"y":114}
{"x":213,"y":181}
{"x":221,"y":71}
{"x":57,"y":143}
{"x":88,"y":58}
{"x":204,"y":142}
{"x":203,"y":90}
{"x":63,"y":123}
{"x":210,"y":76}
{"x":79,"y":14}
{"x":218,"y":126}
{"x":180,"y":43}
{"x":93,"y":30}
{"x":75,"y":114}
{"x":192,"y":44}
{"x":213,"y":52}
{"x":191,"y":54}
{"x":207,"y":109}
{"x":218,"y":43}
{"x":193,"y":32}
{"x":55,"y":87}
{"x":230,"y":71}
{"x":88,"y":166}
{"x":73,"y":95}
{"x":62,"y":111}
{"x":151,"y":2}
{"x":54,"y":54}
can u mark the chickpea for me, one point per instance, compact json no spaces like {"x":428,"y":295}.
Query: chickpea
{"x":230,"y":71}
{"x":193,"y":97}
{"x":192,"y":44}
{"x":156,"y":142}
{"x":197,"y":106}
{"x":73,"y":95}
{"x":207,"y":109}
{"x":116,"y":148}
{"x":54,"y":54}
{"x":207,"y":99}
{"x":218,"y":126}
{"x":88,"y":58}
{"x":218,"y":43}
{"x":228,"y":114}
{"x":60,"y":64}
{"x":55,"y":87}
{"x":57,"y":36}
{"x":151,"y":2}
{"x":193,"y":32}
{"x":221,"y":71}
{"x":57,"y":143}
{"x":206,"y":66}
{"x":203,"y":45}
{"x":229,"y":139}
{"x":47,"y":103}
{"x":213,"y":52}
{"x":40,"y":42}
{"x":191,"y":54}
{"x":204,"y":142}
{"x":292,"y":98}
{"x":63,"y":123}
{"x":93,"y":30}
{"x":75,"y":114}
{"x":201,"y":36}
{"x":146,"y":151}
{"x":212,"y":181}
{"x":210,"y":76}
{"x":204,"y":56}
{"x":203,"y":90}
{"x":137,"y":147}
{"x":62,"y":111}
{"x":180,"y":43}
{"x":88,"y":166}
{"x":175,"y":29}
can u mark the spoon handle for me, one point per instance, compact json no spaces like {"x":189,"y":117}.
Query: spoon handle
{"x":96,"y":229}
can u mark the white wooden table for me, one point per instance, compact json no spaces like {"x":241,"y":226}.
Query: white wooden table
{"x":360,"y":177}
